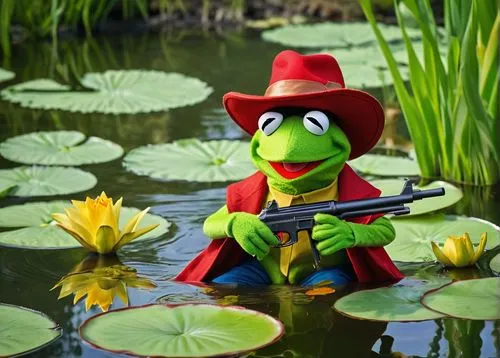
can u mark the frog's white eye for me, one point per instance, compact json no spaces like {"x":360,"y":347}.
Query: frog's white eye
{"x":316,"y":122}
{"x":269,"y":122}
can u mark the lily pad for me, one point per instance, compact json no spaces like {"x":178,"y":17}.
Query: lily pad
{"x":192,"y":160}
{"x":24,"y":330}
{"x":6,"y":75}
{"x":385,"y":165}
{"x":394,"y":187}
{"x":127,"y":91}
{"x":59,"y":148}
{"x":365,"y":76}
{"x":414,"y":235}
{"x":40,"y":181}
{"x":399,"y":303}
{"x":38,"y":231}
{"x":495,"y":263}
{"x":468,"y":299}
{"x":189,"y":330}
{"x":333,"y":34}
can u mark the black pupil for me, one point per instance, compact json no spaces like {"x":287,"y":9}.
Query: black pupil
{"x":315,"y":122}
{"x":267,"y":122}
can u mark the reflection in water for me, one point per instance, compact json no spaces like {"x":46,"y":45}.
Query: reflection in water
{"x":101,"y":278}
{"x":463,"y":336}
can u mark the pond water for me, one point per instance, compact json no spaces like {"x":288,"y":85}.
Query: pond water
{"x":228,"y":61}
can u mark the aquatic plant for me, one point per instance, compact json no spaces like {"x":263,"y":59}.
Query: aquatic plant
{"x":101,"y":279}
{"x":385,"y":165}
{"x":42,"y":18}
{"x":400,"y":303}
{"x":41,"y":181}
{"x":186,"y":330}
{"x":210,"y":161}
{"x":451,"y":108}
{"x":415,"y":234}
{"x":94,"y":223}
{"x":59,"y":148}
{"x":6,"y":75}
{"x":458,"y":251}
{"x":32,"y":226}
{"x":468,"y":299}
{"x":123,"y":91}
{"x":35,"y":328}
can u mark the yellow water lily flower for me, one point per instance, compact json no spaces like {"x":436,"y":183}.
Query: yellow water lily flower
{"x":94,"y":223}
{"x":458,"y":251}
{"x":101,"y":279}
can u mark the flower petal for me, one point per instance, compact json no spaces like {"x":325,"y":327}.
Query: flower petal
{"x":105,"y":239}
{"x":480,"y":248}
{"x":440,"y":256}
{"x":132,"y":223}
{"x":117,"y":207}
{"x":78,"y":238}
{"x":121,"y":292}
{"x":456,"y":251}
{"x":79,"y":295}
{"x":125,"y":239}
{"x":140,"y":282}
{"x":468,"y":244}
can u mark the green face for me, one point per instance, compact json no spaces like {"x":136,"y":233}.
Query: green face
{"x":299,"y":150}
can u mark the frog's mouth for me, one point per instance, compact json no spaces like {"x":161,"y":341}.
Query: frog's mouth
{"x":294,"y":170}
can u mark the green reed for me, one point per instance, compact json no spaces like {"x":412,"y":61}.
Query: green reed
{"x":451,"y":104}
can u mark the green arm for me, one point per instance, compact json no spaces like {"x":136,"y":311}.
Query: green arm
{"x":215,"y":226}
{"x":251,"y":234}
{"x":334,"y":234}
{"x":378,"y":233}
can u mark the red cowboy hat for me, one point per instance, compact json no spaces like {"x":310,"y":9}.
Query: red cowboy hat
{"x":312,"y":81}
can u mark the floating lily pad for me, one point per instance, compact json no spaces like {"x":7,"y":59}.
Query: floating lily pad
{"x":59,"y":148}
{"x":192,"y":160}
{"x":333,"y":34}
{"x":6,"y":75}
{"x":364,"y":76}
{"x":188,"y":330}
{"x":37,"y":230}
{"x":394,"y":187}
{"x":128,"y":91}
{"x":414,"y":235}
{"x":40,"y":181}
{"x":24,"y":330}
{"x":468,"y":299}
{"x":400,"y":303}
{"x":495,"y":263}
{"x":385,"y":165}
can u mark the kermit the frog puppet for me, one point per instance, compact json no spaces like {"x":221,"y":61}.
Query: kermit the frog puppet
{"x":304,"y":128}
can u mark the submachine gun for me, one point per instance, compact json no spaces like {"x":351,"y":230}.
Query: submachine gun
{"x":295,"y":218}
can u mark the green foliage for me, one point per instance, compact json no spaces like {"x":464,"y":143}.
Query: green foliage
{"x":35,"y":328}
{"x":42,"y":17}
{"x":190,"y":330}
{"x":451,"y":107}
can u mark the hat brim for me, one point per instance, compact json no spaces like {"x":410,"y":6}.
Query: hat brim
{"x":360,"y":115}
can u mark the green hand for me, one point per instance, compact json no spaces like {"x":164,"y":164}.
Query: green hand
{"x":252,"y":234}
{"x":332,"y":233}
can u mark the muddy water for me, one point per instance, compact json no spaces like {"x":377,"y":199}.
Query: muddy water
{"x":230,"y":61}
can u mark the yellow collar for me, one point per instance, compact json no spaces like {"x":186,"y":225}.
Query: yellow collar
{"x":327,"y":193}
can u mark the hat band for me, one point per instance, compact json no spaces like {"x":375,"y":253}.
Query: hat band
{"x":291,"y":87}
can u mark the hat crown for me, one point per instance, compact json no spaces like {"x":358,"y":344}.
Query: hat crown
{"x":291,"y":65}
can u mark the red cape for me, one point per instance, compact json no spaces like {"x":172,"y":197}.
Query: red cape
{"x":371,"y":264}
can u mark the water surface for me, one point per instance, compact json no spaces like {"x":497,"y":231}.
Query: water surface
{"x":229,"y":61}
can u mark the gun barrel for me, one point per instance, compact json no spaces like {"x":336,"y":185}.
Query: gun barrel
{"x":422,"y":194}
{"x":391,"y":200}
